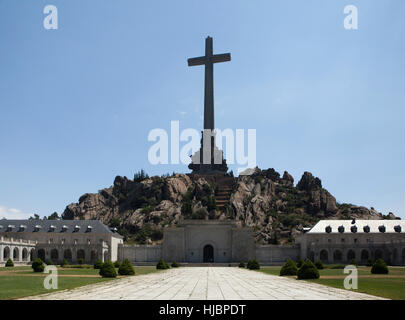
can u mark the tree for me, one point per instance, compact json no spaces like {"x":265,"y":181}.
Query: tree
{"x":38,"y":265}
{"x":308,"y":271}
{"x":107,"y":270}
{"x":175,"y":264}
{"x":9,"y":263}
{"x":289,"y":269}
{"x":253,"y":264}
{"x":98,"y":264}
{"x":379,"y":267}
{"x":54,"y":216}
{"x":126,"y":268}
{"x":161,"y":265}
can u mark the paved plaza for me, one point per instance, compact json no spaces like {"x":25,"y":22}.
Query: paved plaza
{"x":202,"y":283}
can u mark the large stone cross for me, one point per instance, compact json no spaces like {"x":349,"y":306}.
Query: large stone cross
{"x":208,"y":60}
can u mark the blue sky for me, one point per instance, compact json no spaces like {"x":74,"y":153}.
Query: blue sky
{"x":77,"y":103}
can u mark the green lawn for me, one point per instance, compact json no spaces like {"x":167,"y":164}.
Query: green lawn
{"x":24,"y":282}
{"x":391,"y":286}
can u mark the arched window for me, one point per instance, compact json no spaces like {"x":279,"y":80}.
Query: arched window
{"x":364,"y":255}
{"x":54,"y":255}
{"x":80,"y":254}
{"x":324,"y":256}
{"x":6,"y":253}
{"x":15,"y":254}
{"x":67,"y":254}
{"x":351,"y":255}
{"x":93,"y":255}
{"x":378,"y":254}
{"x":41,"y":254}
{"x":32,"y":254}
{"x":337,"y":256}
{"x":25,"y":254}
{"x":106,"y":256}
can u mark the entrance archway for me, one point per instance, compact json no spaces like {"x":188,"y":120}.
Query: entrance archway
{"x":208,"y":253}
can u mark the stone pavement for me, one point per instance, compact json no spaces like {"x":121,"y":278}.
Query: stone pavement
{"x":201,"y":283}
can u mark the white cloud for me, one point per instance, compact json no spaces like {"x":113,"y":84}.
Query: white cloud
{"x":12,"y":213}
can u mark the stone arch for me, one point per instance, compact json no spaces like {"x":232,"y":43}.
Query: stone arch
{"x":364,"y":255}
{"x":208,"y":253}
{"x":337,"y":256}
{"x":67,"y":254}
{"x":6,"y":253}
{"x":81,"y":254}
{"x":32,"y":252}
{"x":41,"y":254}
{"x":16,"y":253}
{"x":378,"y":254}
{"x":93,"y":255}
{"x":351,"y":255}
{"x":25,"y":254}
{"x":324,"y":256}
{"x":55,"y":255}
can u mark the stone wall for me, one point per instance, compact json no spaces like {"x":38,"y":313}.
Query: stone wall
{"x":277,"y":254}
{"x":140,"y":253}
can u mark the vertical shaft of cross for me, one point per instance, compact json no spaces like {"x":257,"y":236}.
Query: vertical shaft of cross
{"x":209,"y":86}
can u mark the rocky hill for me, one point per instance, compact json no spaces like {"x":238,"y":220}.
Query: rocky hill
{"x":271,"y":204}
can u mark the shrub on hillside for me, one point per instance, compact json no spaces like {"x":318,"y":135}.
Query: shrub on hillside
{"x":319,"y":265}
{"x":107,"y":270}
{"x":253,"y":264}
{"x":175,"y":264}
{"x":98,"y":264}
{"x":289,"y":269}
{"x":9,"y":263}
{"x":117,"y":264}
{"x":242,"y":265}
{"x":38,"y":265}
{"x":308,"y":271}
{"x":126,"y":268}
{"x":162,"y":265}
{"x":379,"y":267}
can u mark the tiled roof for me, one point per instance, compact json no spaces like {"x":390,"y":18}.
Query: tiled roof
{"x":67,"y":226}
{"x":359,"y":226}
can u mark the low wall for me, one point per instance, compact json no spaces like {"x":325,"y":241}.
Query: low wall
{"x":277,"y":254}
{"x":140,"y":253}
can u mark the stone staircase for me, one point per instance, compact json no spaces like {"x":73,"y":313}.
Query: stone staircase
{"x":223,"y":196}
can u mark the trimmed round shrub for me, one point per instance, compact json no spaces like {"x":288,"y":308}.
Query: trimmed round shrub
{"x":126,"y":268}
{"x":175,"y":264}
{"x":379,"y":267}
{"x":319,"y":265}
{"x":108,"y":270}
{"x":253,"y":265}
{"x":242,"y":265}
{"x":299,"y":263}
{"x":80,"y":261}
{"x":308,"y":271}
{"x":64,"y":263}
{"x":9,"y":263}
{"x":38,"y":265}
{"x":117,"y":264}
{"x":98,"y":264}
{"x":289,"y":269}
{"x":49,"y":262}
{"x":161,"y":265}
{"x":353,"y":262}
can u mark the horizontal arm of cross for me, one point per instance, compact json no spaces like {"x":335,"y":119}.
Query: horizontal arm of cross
{"x":196,"y":61}
{"x":214,"y":59}
{"x":221,"y":57}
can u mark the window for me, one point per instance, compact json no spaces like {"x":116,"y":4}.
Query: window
{"x":50,"y":240}
{"x":75,"y":242}
{"x":88,"y":241}
{"x":63,"y":241}
{"x":343,"y":240}
{"x":329,"y":240}
{"x":355,"y":240}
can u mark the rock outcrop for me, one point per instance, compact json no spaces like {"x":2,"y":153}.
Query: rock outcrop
{"x":272,"y":205}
